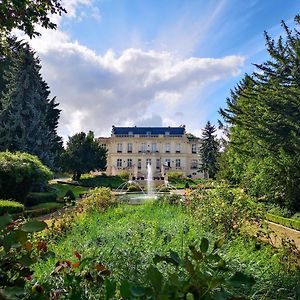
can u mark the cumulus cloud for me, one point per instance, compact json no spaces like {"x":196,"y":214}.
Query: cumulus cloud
{"x":96,"y":91}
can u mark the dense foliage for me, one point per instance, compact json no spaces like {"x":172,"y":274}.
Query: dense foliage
{"x":9,"y":206}
{"x":84,"y":154}
{"x":264,"y":113}
{"x":19,"y":172}
{"x":209,"y":151}
{"x":28,"y":118}
{"x":25,"y":14}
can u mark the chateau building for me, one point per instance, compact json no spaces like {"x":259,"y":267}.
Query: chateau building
{"x":164,"y":148}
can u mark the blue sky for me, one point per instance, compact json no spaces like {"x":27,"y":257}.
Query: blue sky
{"x":138,"y":62}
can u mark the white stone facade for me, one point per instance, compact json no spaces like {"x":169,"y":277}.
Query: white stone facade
{"x":167,"y":149}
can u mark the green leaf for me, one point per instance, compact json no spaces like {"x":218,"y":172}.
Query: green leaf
{"x":10,"y":241}
{"x":175,"y":258}
{"x":155,"y":278}
{"x":5,"y":220}
{"x":125,"y":289}
{"x":12,"y":293}
{"x":34,"y":226}
{"x":204,"y":245}
{"x":138,"y":291}
{"x":110,"y":288}
{"x":238,"y":279}
{"x":219,"y":243}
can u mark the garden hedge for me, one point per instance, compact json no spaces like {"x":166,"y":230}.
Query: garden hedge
{"x":19,"y":172}
{"x":37,"y":198}
{"x":294,"y":224}
{"x":9,"y":206}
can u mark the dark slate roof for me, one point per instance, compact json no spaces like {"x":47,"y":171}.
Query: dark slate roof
{"x":145,"y":130}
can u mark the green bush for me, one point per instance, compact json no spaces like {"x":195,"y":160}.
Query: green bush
{"x":69,"y":196}
{"x":124,"y":175}
{"x":98,"y":199}
{"x":43,"y":209}
{"x":18,"y":173}
{"x":37,"y":198}
{"x":291,"y":223}
{"x":169,"y":199}
{"x":9,"y":206}
{"x":133,"y":188}
{"x":174,"y":175}
{"x":225,"y":210}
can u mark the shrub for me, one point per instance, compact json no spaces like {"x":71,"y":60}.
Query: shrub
{"x":291,"y":223}
{"x":9,"y":206}
{"x":223,"y":209}
{"x":186,"y":186}
{"x":164,"y":189}
{"x":174,"y":175}
{"x":169,"y":199}
{"x":69,"y":196}
{"x":133,"y":188}
{"x":98,"y":199}
{"x":37,"y":198}
{"x":124,"y":175}
{"x":18,"y":173}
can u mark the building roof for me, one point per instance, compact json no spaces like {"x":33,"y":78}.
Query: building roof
{"x":149,"y":130}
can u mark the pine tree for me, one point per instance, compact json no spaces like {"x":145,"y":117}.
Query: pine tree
{"x":264,"y":114}
{"x":28,"y":119}
{"x":209,"y":151}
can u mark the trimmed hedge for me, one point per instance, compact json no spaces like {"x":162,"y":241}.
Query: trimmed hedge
{"x":9,"y":206}
{"x":37,"y":198}
{"x":19,"y":172}
{"x":294,"y":224}
{"x":43,"y":209}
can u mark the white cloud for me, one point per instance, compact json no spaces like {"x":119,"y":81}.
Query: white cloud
{"x":132,"y":87}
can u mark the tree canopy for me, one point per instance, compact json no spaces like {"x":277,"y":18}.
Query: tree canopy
{"x":26,"y":14}
{"x":264,"y":114}
{"x":84,"y":154}
{"x":209,"y":150}
{"x":28,"y":118}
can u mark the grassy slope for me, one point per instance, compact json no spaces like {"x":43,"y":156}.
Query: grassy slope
{"x":63,"y":188}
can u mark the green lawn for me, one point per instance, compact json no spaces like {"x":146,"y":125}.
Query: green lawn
{"x":107,"y":181}
{"x":127,"y":238}
{"x":61,"y":189}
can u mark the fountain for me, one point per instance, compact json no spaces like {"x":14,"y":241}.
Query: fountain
{"x":150,"y":190}
{"x":140,"y":196}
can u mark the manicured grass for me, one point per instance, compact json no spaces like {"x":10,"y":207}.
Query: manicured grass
{"x":100,"y":180}
{"x":61,"y":189}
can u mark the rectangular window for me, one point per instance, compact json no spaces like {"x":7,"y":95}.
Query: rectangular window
{"x":194,"y":164}
{"x":194,"y":148}
{"x":139,"y":163}
{"x":177,"y":163}
{"x":168,"y":147}
{"x":168,"y":162}
{"x":153,"y":147}
{"x":129,"y":162}
{"x":158,"y":163}
{"x":148,"y":162}
{"x":143,"y":147}
{"x":129,"y":147}
{"x":119,"y":163}
{"x":177,"y":148}
{"x":130,"y":133}
{"x":119,"y":147}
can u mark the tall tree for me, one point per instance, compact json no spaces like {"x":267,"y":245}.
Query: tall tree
{"x":264,"y":114}
{"x":209,"y":150}
{"x":84,"y":154}
{"x":28,"y":119}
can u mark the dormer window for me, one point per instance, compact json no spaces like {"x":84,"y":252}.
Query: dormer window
{"x":130,"y":133}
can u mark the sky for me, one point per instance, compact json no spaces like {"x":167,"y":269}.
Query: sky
{"x":153,"y":62}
